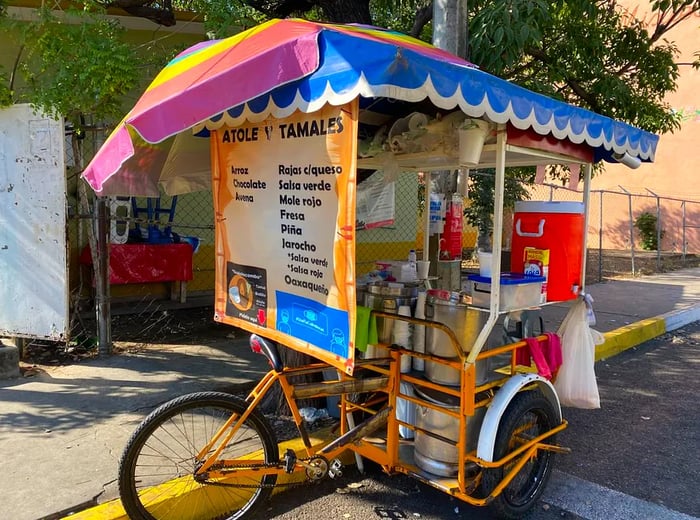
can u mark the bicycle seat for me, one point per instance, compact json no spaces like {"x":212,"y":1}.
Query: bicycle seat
{"x":260,"y":345}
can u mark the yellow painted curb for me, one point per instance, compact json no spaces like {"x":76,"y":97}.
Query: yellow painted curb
{"x":630,"y":336}
{"x":113,"y":509}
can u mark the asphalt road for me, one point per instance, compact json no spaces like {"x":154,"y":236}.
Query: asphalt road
{"x":634,"y":458}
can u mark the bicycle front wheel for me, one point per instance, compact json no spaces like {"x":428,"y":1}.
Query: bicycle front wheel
{"x":156,"y":471}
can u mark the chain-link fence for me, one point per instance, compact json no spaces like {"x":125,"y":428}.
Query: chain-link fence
{"x":614,"y":239}
{"x":186,"y":218}
{"x":632,"y":234}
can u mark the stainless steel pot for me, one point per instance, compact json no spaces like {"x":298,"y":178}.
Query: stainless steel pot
{"x":439,"y":373}
{"x":464,"y":321}
{"x":445,"y":375}
{"x":388,"y":298}
{"x":435,"y":455}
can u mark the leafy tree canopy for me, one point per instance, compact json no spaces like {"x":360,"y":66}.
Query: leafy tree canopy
{"x":69,"y":69}
{"x":591,"y":53}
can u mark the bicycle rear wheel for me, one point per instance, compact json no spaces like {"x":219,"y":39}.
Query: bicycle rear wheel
{"x":528,"y":415}
{"x":156,"y":471}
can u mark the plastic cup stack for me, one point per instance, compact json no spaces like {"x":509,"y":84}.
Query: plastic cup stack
{"x":419,"y":332}
{"x":402,"y":336}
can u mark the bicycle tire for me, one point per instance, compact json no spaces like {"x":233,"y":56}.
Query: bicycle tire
{"x":157,"y":466}
{"x":528,"y":415}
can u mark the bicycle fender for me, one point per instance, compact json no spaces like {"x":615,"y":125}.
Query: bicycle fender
{"x":492,"y":419}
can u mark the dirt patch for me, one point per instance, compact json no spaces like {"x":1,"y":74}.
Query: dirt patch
{"x":622,"y":264}
{"x":131,"y":332}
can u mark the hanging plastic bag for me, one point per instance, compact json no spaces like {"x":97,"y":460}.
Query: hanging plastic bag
{"x":576,"y":383}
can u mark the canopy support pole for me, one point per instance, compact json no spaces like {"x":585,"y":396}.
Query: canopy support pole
{"x":497,"y":241}
{"x":587,"y":170}
{"x":427,"y":179}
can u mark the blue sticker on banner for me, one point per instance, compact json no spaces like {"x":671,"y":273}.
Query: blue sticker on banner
{"x":324,"y":327}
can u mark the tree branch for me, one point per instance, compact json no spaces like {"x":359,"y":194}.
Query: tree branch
{"x":143,"y":9}
{"x":423,"y":16}
{"x":572,"y":83}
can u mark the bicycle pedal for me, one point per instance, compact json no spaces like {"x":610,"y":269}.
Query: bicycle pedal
{"x":335,"y":470}
{"x":290,"y":460}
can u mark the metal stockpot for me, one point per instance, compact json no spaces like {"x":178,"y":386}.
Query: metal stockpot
{"x":434,"y":455}
{"x":445,"y":375}
{"x":442,"y":374}
{"x":448,"y":309}
{"x":388,"y":298}
{"x":464,"y":321}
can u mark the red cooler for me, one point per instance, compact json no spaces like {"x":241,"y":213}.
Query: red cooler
{"x":558,"y":227}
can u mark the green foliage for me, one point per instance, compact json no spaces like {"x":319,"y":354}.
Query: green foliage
{"x":76,"y":68}
{"x":5,"y":92}
{"x":507,"y":27}
{"x":481,"y":195}
{"x":588,"y":53}
{"x":647,"y":225}
{"x":223,"y":18}
{"x":400,"y":16}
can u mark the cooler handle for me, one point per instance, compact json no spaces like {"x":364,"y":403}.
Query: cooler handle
{"x":540,"y":230}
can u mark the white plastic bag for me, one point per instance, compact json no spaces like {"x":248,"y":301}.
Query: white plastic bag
{"x":575,"y":382}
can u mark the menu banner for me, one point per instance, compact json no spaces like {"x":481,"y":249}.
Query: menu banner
{"x":284,"y":198}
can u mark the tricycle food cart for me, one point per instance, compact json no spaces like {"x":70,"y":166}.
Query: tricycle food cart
{"x":294,"y":110}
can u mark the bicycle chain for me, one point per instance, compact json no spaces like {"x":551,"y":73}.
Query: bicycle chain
{"x":259,"y":485}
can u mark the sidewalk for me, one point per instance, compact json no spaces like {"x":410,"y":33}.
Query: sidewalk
{"x":62,"y":432}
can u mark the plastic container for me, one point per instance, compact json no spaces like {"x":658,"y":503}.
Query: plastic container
{"x":485,"y":263}
{"x":517,"y":291}
{"x":558,"y":227}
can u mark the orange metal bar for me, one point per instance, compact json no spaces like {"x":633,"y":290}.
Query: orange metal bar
{"x":233,"y":423}
{"x":505,"y":460}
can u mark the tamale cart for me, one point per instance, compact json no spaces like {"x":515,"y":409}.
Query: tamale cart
{"x":283,"y":122}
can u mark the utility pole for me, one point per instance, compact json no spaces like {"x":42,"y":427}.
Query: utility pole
{"x":450,"y":26}
{"x":449,"y":34}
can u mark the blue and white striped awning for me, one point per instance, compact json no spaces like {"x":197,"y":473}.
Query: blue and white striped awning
{"x":351,"y":67}
{"x":288,"y":65}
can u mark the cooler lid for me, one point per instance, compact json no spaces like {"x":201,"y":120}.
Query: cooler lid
{"x":545,"y":206}
{"x":509,"y":278}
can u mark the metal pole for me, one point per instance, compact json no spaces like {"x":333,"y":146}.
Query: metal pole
{"x":102,"y":306}
{"x":450,"y":26}
{"x":684,"y":244}
{"x":629,"y":206}
{"x":600,"y":240}
{"x":480,"y":341}
{"x":588,"y":168}
{"x":658,"y":229}
{"x":449,"y":34}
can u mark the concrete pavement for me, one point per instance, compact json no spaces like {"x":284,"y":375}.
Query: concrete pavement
{"x":62,"y":431}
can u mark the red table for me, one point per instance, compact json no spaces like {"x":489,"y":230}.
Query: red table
{"x":147,"y":263}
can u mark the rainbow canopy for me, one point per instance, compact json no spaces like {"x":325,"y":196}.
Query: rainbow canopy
{"x":282,"y":66}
